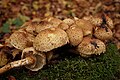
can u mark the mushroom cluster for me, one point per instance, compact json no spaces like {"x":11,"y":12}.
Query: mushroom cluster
{"x":37,"y":39}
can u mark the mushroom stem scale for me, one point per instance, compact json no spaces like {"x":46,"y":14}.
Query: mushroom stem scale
{"x":22,"y":62}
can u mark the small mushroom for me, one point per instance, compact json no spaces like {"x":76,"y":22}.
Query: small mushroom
{"x":85,"y":25}
{"x":63,"y":26}
{"x":98,"y":20}
{"x":40,"y":59}
{"x":49,"y":39}
{"x":94,"y":20}
{"x":21,"y":39}
{"x":75,"y":34}
{"x":103,"y":33}
{"x":32,"y":59}
{"x":22,"y":62}
{"x":31,"y":27}
{"x":90,"y":46}
{"x":68,"y":21}
{"x":109,"y":21}
{"x":42,"y":25}
{"x":54,"y":21}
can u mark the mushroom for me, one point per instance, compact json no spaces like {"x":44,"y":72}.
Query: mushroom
{"x":98,"y":20}
{"x":94,"y":20}
{"x":49,"y":39}
{"x":108,"y":20}
{"x":40,"y":59}
{"x":42,"y":25}
{"x":63,"y":26}
{"x":91,"y":46}
{"x":37,"y":26}
{"x":26,"y":61}
{"x":68,"y":21}
{"x":85,"y":25}
{"x":54,"y":21}
{"x":103,"y":33}
{"x":32,"y":60}
{"x":31,"y":27}
{"x":21,"y":39}
{"x":75,"y":34}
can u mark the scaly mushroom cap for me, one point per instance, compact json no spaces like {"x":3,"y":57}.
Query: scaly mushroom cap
{"x":85,"y":25}
{"x":50,"y":39}
{"x":40,"y":59}
{"x":31,"y":27}
{"x":98,"y":20}
{"x":54,"y":21}
{"x":63,"y":26}
{"x":103,"y":33}
{"x":68,"y":21}
{"x":109,"y":22}
{"x":21,"y":40}
{"x":42,"y":25}
{"x":94,"y":20}
{"x":91,"y":46}
{"x":75,"y":34}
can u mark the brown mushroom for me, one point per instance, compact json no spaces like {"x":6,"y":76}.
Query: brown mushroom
{"x":40,"y":59}
{"x":98,"y":20}
{"x":32,"y":59}
{"x":94,"y":20}
{"x":26,"y":61}
{"x":103,"y":33}
{"x":21,"y":39}
{"x":42,"y":25}
{"x":68,"y":21}
{"x":90,"y":46}
{"x":63,"y":26}
{"x":85,"y":25}
{"x":75,"y":34}
{"x":49,"y":39}
{"x":54,"y":21}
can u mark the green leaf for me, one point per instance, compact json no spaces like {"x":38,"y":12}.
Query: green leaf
{"x":17,"y":22}
{"x":5,"y":28}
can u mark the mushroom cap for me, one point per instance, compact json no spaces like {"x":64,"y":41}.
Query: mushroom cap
{"x":21,"y":39}
{"x":49,"y":39}
{"x":31,"y":27}
{"x":40,"y":59}
{"x":42,"y":25}
{"x":68,"y":21}
{"x":85,"y":25}
{"x":97,"y":20}
{"x":94,"y":20}
{"x":63,"y":26}
{"x":109,"y":22}
{"x":91,"y":46}
{"x":75,"y":34}
{"x":103,"y":33}
{"x":54,"y":21}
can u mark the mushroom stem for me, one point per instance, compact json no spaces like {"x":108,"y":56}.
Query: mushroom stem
{"x":22,"y":62}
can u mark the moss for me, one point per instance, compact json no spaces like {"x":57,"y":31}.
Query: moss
{"x":103,"y":67}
